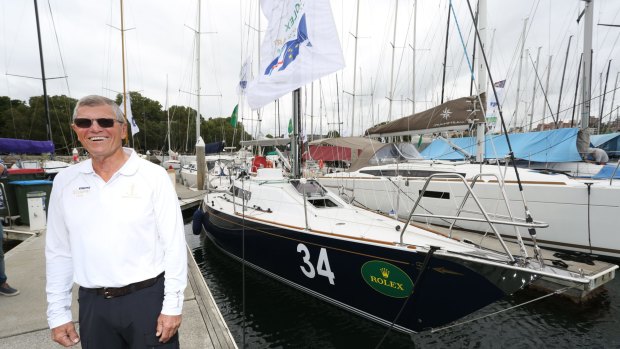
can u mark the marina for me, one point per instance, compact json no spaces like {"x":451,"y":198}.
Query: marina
{"x":434,"y":207}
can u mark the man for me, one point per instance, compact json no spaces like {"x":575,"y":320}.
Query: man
{"x":115,"y":228}
{"x":5,"y":289}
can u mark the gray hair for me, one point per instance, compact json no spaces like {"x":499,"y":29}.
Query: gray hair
{"x":95,"y":101}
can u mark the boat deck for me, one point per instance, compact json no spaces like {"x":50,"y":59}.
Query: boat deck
{"x":589,"y":267}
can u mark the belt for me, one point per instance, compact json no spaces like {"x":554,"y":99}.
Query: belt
{"x":112,"y":292}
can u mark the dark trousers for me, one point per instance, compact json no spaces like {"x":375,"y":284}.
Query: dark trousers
{"x":127,"y":322}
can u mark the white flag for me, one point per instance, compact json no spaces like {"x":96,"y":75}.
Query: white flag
{"x":301,"y":45}
{"x":493,"y":105}
{"x":129,"y":116}
{"x":244,"y":75}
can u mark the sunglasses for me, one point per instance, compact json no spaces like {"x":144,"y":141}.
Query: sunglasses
{"x":86,"y":123}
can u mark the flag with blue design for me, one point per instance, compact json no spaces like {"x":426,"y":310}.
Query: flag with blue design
{"x":244,"y":75}
{"x":300,"y":45}
{"x":492,"y":112}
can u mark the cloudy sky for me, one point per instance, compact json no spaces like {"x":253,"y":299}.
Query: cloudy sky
{"x":82,"y":42}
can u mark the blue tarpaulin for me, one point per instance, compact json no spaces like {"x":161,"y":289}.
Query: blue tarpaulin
{"x":22,"y":146}
{"x":607,"y":171}
{"x":545,"y":146}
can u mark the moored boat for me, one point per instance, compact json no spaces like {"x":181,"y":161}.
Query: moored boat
{"x":299,"y":233}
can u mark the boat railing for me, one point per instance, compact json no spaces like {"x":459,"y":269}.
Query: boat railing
{"x":487,"y":217}
{"x":611,"y":179}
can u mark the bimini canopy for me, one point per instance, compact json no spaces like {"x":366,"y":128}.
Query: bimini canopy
{"x":454,"y":115}
{"x":22,"y":146}
{"x":385,"y":153}
{"x":343,"y":148}
{"x":545,"y":146}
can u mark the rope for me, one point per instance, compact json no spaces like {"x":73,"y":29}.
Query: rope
{"x":562,"y":290}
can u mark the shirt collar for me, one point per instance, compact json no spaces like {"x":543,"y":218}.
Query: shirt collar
{"x":129,"y":168}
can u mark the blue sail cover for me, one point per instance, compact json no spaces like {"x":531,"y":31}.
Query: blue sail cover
{"x":545,"y":146}
{"x":22,"y":146}
{"x":215,"y":147}
{"x":598,"y":140}
{"x":607,"y":171}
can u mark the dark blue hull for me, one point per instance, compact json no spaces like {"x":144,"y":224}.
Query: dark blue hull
{"x":372,"y":280}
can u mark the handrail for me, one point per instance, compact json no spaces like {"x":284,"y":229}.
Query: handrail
{"x":470,"y":191}
{"x":500,"y":183}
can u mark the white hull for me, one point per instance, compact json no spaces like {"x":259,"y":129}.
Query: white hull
{"x":580,"y":218}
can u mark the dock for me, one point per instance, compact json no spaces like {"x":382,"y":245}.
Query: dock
{"x":24,"y":320}
{"x":585,"y":266}
{"x":188,"y":198}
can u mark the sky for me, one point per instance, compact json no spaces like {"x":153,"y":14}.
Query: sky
{"x":82,"y":51}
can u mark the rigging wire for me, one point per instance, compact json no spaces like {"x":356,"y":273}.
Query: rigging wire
{"x":560,"y":291}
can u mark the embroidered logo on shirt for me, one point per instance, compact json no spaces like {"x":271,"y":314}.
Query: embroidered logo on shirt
{"x":81,"y":191}
{"x":131,"y":192}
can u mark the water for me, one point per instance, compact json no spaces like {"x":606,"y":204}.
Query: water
{"x":279,"y":316}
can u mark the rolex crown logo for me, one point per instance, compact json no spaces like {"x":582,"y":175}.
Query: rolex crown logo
{"x":385,"y":272}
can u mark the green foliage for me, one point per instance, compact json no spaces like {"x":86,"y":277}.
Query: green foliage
{"x":333,"y":134}
{"x":22,"y":120}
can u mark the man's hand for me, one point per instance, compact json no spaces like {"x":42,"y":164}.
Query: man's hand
{"x":167,"y":326}
{"x":65,"y":335}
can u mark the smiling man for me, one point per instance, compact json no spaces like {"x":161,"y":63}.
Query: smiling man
{"x":114,"y":228}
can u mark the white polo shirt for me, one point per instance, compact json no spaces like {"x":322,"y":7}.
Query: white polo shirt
{"x":111,"y":234}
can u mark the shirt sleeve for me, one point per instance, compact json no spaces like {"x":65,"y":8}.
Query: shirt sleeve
{"x":172,"y":235}
{"x":59,"y":263}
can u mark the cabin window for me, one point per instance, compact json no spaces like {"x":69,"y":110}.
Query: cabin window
{"x":309,"y":188}
{"x":403,"y":172}
{"x":322,"y":202}
{"x":435,"y":194}
{"x":240,"y":193}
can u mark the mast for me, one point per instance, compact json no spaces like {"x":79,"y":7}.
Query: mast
{"x":168,"y":116}
{"x":482,"y":30}
{"x":123,"y":66}
{"x":392,"y":69}
{"x":534,"y":89}
{"x":586,"y":82}
{"x":357,"y":20}
{"x":295,"y":143}
{"x":198,"y":74}
{"x":613,"y":98}
{"x":572,"y":119}
{"x":482,"y":79}
{"x":563,"y":75}
{"x":520,"y":68}
{"x":545,"y":93}
{"x":415,"y":26}
{"x":45,"y":96}
{"x":600,"y":120}
{"x":445,"y":55}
